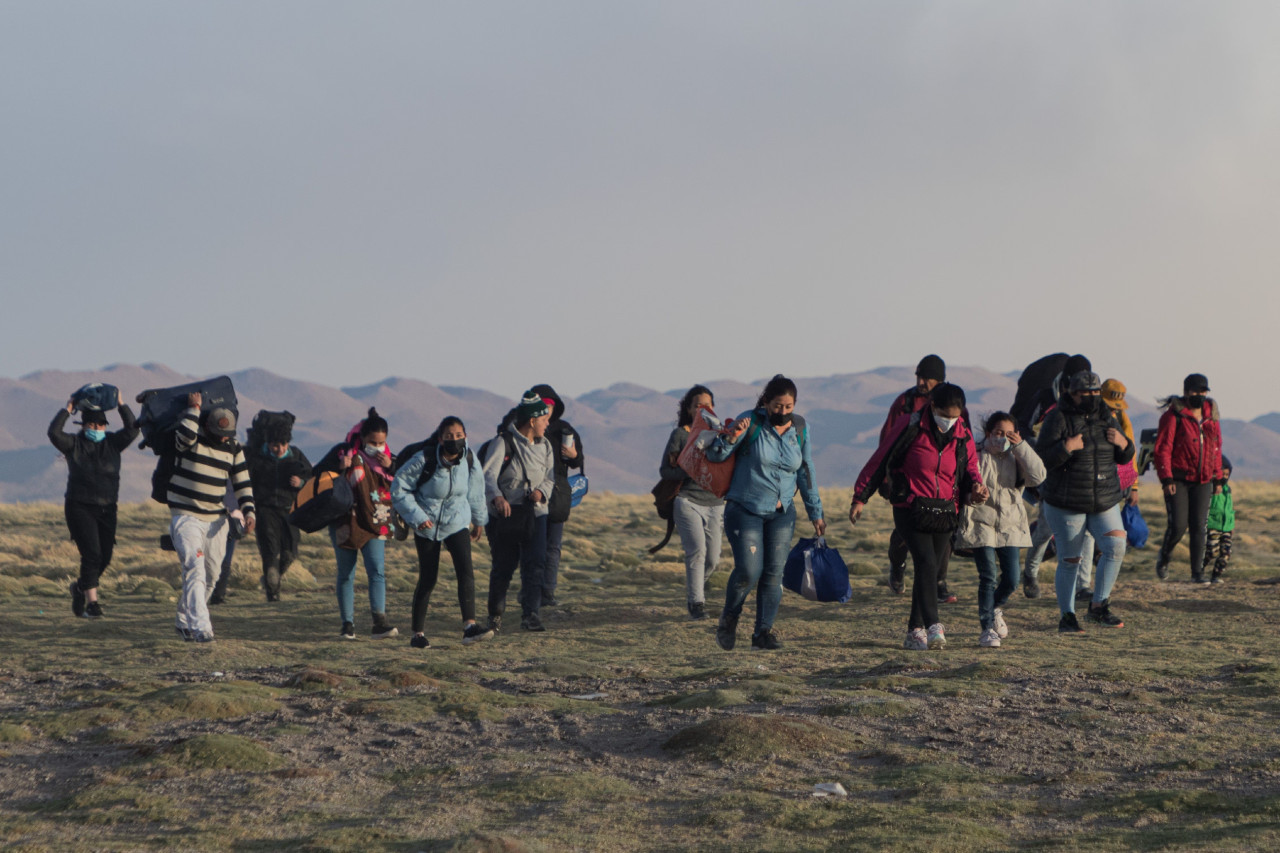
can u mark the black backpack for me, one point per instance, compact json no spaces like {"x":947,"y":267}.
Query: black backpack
{"x":430,"y":461}
{"x":898,"y":488}
{"x":162,"y":411}
{"x":265,"y":422}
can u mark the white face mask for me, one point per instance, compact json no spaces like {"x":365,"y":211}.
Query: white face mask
{"x":374,"y":450}
{"x":944,"y":424}
{"x":998,"y":444}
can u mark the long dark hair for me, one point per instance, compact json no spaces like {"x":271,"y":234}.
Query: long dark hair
{"x":946,"y":395}
{"x":683,"y":416}
{"x":452,"y":420}
{"x":776,"y":387}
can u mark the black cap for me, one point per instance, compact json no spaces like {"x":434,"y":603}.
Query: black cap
{"x":932,"y":367}
{"x":1085,"y":380}
{"x":1196,"y":383}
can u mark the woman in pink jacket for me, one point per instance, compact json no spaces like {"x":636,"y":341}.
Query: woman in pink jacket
{"x":932,"y":466}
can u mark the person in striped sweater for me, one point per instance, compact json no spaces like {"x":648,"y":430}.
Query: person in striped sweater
{"x":208,"y":459}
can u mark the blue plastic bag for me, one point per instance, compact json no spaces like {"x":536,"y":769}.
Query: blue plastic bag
{"x":578,"y":487}
{"x":817,"y":572}
{"x":1135,"y":526}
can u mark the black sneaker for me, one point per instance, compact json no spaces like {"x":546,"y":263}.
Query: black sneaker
{"x":1084,"y":594}
{"x":1200,"y":580}
{"x":495,"y":624}
{"x":185,"y":634}
{"x":697,"y":610}
{"x":217,"y":598}
{"x":93,"y":610}
{"x":1100,"y":614}
{"x":271,"y":580}
{"x":1216,"y":578}
{"x":766,"y":642}
{"x":382,"y":629}
{"x":473,"y":633}
{"x":897,"y":578}
{"x":727,"y":631}
{"x":946,"y":596}
{"x":531,"y":622}
{"x":1068,"y":624}
{"x":77,"y":599}
{"x":1031,"y":588}
{"x":348,"y":631}
{"x":420,"y":641}
{"x":1162,"y":569}
{"x":549,"y":600}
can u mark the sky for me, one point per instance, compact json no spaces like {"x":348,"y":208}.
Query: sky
{"x":495,"y":194}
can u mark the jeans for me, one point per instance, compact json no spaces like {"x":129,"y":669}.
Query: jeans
{"x":1187,"y":507}
{"x":373,"y":553}
{"x":1040,"y":537}
{"x":928,"y":551}
{"x":701,"y":527}
{"x":551,"y":571}
{"x":1069,"y":530}
{"x":459,"y":546}
{"x":990,"y":594}
{"x":93,"y":528}
{"x":530,"y":555}
{"x":760,"y":547}
{"x":200,"y":543}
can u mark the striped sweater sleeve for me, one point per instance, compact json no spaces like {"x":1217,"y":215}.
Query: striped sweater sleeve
{"x":240,"y":482}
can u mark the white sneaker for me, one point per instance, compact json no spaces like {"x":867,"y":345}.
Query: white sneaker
{"x":917,"y":640}
{"x":937,"y":637}
{"x":1002,"y":630}
{"x":990,"y":639}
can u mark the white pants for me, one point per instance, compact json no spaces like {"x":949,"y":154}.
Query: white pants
{"x":201,"y":544}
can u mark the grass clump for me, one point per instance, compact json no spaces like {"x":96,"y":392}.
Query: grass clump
{"x":14,"y":733}
{"x":223,"y":752}
{"x":561,"y":788}
{"x":750,"y":738}
{"x":210,"y":701}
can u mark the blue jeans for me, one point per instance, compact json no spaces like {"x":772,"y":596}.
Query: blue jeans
{"x":1069,"y":529}
{"x":990,"y":594}
{"x":373,"y":552}
{"x":760,"y":547}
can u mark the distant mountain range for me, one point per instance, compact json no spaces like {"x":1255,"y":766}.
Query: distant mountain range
{"x":624,"y":427}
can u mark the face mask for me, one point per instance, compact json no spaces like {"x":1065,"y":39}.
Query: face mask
{"x":944,"y":424}
{"x":998,"y":444}
{"x":453,"y":446}
{"x":374,"y":450}
{"x":779,"y":419}
{"x":1195,"y":401}
{"x":95,"y":435}
{"x":1089,"y":404}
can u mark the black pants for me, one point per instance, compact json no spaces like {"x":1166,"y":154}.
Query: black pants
{"x":928,"y":551}
{"x":459,"y":545}
{"x":1187,"y":507}
{"x":898,"y":556}
{"x":530,"y":555}
{"x":93,"y":528}
{"x":277,"y":539}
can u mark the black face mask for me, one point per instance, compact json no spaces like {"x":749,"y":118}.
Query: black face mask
{"x":1195,"y":401}
{"x":779,"y":419}
{"x":1089,"y":404}
{"x":453,"y":446}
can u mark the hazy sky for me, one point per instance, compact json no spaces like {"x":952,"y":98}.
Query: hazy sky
{"x":493,"y":194}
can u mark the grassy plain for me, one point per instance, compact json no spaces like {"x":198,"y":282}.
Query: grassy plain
{"x":625,"y":727}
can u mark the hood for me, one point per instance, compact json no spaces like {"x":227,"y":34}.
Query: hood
{"x":549,"y":393}
{"x":1178,"y":405}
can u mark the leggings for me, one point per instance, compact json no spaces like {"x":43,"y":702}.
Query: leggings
{"x":459,"y":545}
{"x":1188,"y":507}
{"x":928,"y":552}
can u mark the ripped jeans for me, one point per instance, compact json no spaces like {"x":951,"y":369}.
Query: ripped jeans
{"x":1069,"y":529}
{"x":760,"y":547}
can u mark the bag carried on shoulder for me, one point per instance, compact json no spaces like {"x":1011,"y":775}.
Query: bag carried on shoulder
{"x":934,"y":515}
{"x":325,"y":499}
{"x":1135,"y":526}
{"x":664,"y":501}
{"x":715,"y":477}
{"x":817,"y":572}
{"x":520,"y":523}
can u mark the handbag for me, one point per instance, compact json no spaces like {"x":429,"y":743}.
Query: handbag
{"x":1135,"y":526}
{"x":323,"y":500}
{"x":518,"y":525}
{"x":664,"y":501}
{"x":715,"y":477}
{"x":579,"y":485}
{"x":934,"y":515}
{"x":817,"y":572}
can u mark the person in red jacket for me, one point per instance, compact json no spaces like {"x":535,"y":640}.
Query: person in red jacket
{"x":1188,"y":460}
{"x":931,"y":463}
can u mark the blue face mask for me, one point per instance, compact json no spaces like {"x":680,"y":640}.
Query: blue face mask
{"x":95,"y":435}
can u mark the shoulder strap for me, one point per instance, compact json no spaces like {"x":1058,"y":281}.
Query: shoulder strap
{"x":899,"y":449}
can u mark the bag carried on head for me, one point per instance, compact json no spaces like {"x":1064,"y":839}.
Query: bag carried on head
{"x":325,"y":499}
{"x":96,"y":397}
{"x":162,"y":411}
{"x":270,"y":426}
{"x":817,"y":572}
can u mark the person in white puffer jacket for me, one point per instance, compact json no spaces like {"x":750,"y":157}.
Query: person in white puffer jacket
{"x":997,"y":529}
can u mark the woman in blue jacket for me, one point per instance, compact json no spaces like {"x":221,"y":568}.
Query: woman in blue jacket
{"x":439,"y":493}
{"x":773,"y":460}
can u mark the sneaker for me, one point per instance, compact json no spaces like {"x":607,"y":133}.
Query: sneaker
{"x":218,"y":598}
{"x":77,"y":599}
{"x":1162,"y":569}
{"x":549,"y":601}
{"x":697,"y":610}
{"x":1031,"y":587}
{"x":766,"y":642}
{"x":937,"y":636}
{"x":945,"y":596}
{"x":348,"y":631}
{"x":1068,"y":624}
{"x":727,"y":632}
{"x":93,"y":610}
{"x":1216,"y":578}
{"x":420,"y":641}
{"x":1200,"y":580}
{"x":1100,"y":614}
{"x":897,"y":578}
{"x":273,"y":596}
{"x":532,"y":622}
{"x":271,"y":580}
{"x":202,"y":636}
{"x":382,"y":629}
{"x":999,"y":626}
{"x":917,"y":640}
{"x":185,"y":634}
{"x":495,"y":624}
{"x":473,"y":633}
{"x":990,"y":639}
{"x":1084,"y":594}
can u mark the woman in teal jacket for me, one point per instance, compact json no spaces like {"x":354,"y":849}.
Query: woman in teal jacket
{"x":439,"y":493}
{"x":773,"y":460}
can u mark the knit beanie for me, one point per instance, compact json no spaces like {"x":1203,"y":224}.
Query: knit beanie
{"x":932,"y":367}
{"x":532,"y":406}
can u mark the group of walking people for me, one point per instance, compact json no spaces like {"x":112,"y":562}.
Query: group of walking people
{"x":951,"y":491}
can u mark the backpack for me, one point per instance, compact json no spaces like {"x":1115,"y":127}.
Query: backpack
{"x":323,"y":500}
{"x":162,"y":411}
{"x":431,"y":461}
{"x":265,"y":422}
{"x":664,"y":501}
{"x":1146,"y":450}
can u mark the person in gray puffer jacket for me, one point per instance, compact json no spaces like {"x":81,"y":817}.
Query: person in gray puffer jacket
{"x":1081,"y":443}
{"x":519,"y":475}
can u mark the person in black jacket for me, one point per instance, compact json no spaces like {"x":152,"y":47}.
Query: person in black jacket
{"x":93,"y":488}
{"x":1081,"y":442}
{"x":277,"y":471}
{"x":566,"y":446}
